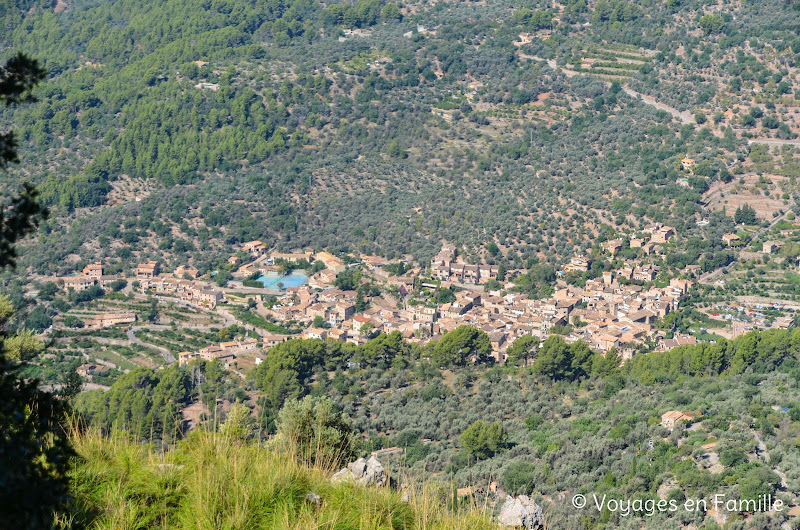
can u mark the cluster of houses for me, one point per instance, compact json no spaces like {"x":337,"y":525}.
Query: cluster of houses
{"x":651,"y":235}
{"x":224,"y":351}
{"x":91,"y":275}
{"x":182,"y":282}
{"x":306,"y":304}
{"x":193,"y":292}
{"x":767,"y":247}
{"x":657,"y":233}
{"x":607,"y":314}
{"x":604,"y":313}
{"x":614,"y":311}
{"x":106,"y":320}
{"x":446,"y":266}
{"x":266,"y":264}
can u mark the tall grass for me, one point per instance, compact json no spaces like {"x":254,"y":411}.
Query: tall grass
{"x":210,"y":481}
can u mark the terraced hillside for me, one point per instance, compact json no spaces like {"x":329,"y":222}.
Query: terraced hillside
{"x":180,"y":130}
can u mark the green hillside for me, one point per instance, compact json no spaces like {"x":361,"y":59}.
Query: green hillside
{"x":186,"y":127}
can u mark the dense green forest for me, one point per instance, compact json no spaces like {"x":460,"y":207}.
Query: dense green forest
{"x":188,"y":127}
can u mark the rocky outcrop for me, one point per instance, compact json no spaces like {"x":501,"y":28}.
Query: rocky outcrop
{"x":365,"y":472}
{"x":521,"y":512}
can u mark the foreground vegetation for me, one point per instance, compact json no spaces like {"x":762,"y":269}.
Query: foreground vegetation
{"x":555,"y":420}
{"x":216,"y":481}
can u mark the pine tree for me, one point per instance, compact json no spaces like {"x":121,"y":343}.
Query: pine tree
{"x":34,"y":450}
{"x":501,"y":272}
{"x":745,"y":215}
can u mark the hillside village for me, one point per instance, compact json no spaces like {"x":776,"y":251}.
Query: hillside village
{"x":245,"y":244}
{"x":617,"y":310}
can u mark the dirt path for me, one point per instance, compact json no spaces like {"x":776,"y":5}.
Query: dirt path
{"x":709,"y":276}
{"x":784,"y":480}
{"x":550,"y":62}
{"x":99,"y":340}
{"x":684,"y":117}
{"x":228,"y":318}
{"x":237,"y":372}
{"x":84,"y":388}
{"x":687,"y":118}
{"x":774,"y":142}
{"x":131,"y":333}
{"x":761,"y":447}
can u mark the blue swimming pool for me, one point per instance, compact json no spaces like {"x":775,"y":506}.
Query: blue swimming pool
{"x":292,"y":280}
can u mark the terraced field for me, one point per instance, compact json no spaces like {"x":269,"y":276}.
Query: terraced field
{"x":610,"y":62}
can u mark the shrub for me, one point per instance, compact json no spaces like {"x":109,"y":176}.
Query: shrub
{"x":316,"y":433}
{"x":239,"y":424}
{"x":482,"y":439}
{"x":207,"y":482}
{"x":71,"y":321}
{"x":732,"y":457}
{"x":519,"y":477}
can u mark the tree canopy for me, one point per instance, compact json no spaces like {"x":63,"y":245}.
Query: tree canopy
{"x":460,"y":346}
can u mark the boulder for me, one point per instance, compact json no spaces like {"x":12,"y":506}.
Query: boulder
{"x":365,"y":472}
{"x":314,"y":500}
{"x":521,"y":512}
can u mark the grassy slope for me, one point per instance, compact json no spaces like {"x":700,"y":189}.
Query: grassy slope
{"x":210,"y":481}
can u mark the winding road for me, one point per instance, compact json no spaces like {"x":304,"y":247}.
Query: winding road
{"x":227,"y":317}
{"x":131,"y":333}
{"x":774,"y":142}
{"x":708,"y":277}
{"x":685,"y":117}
